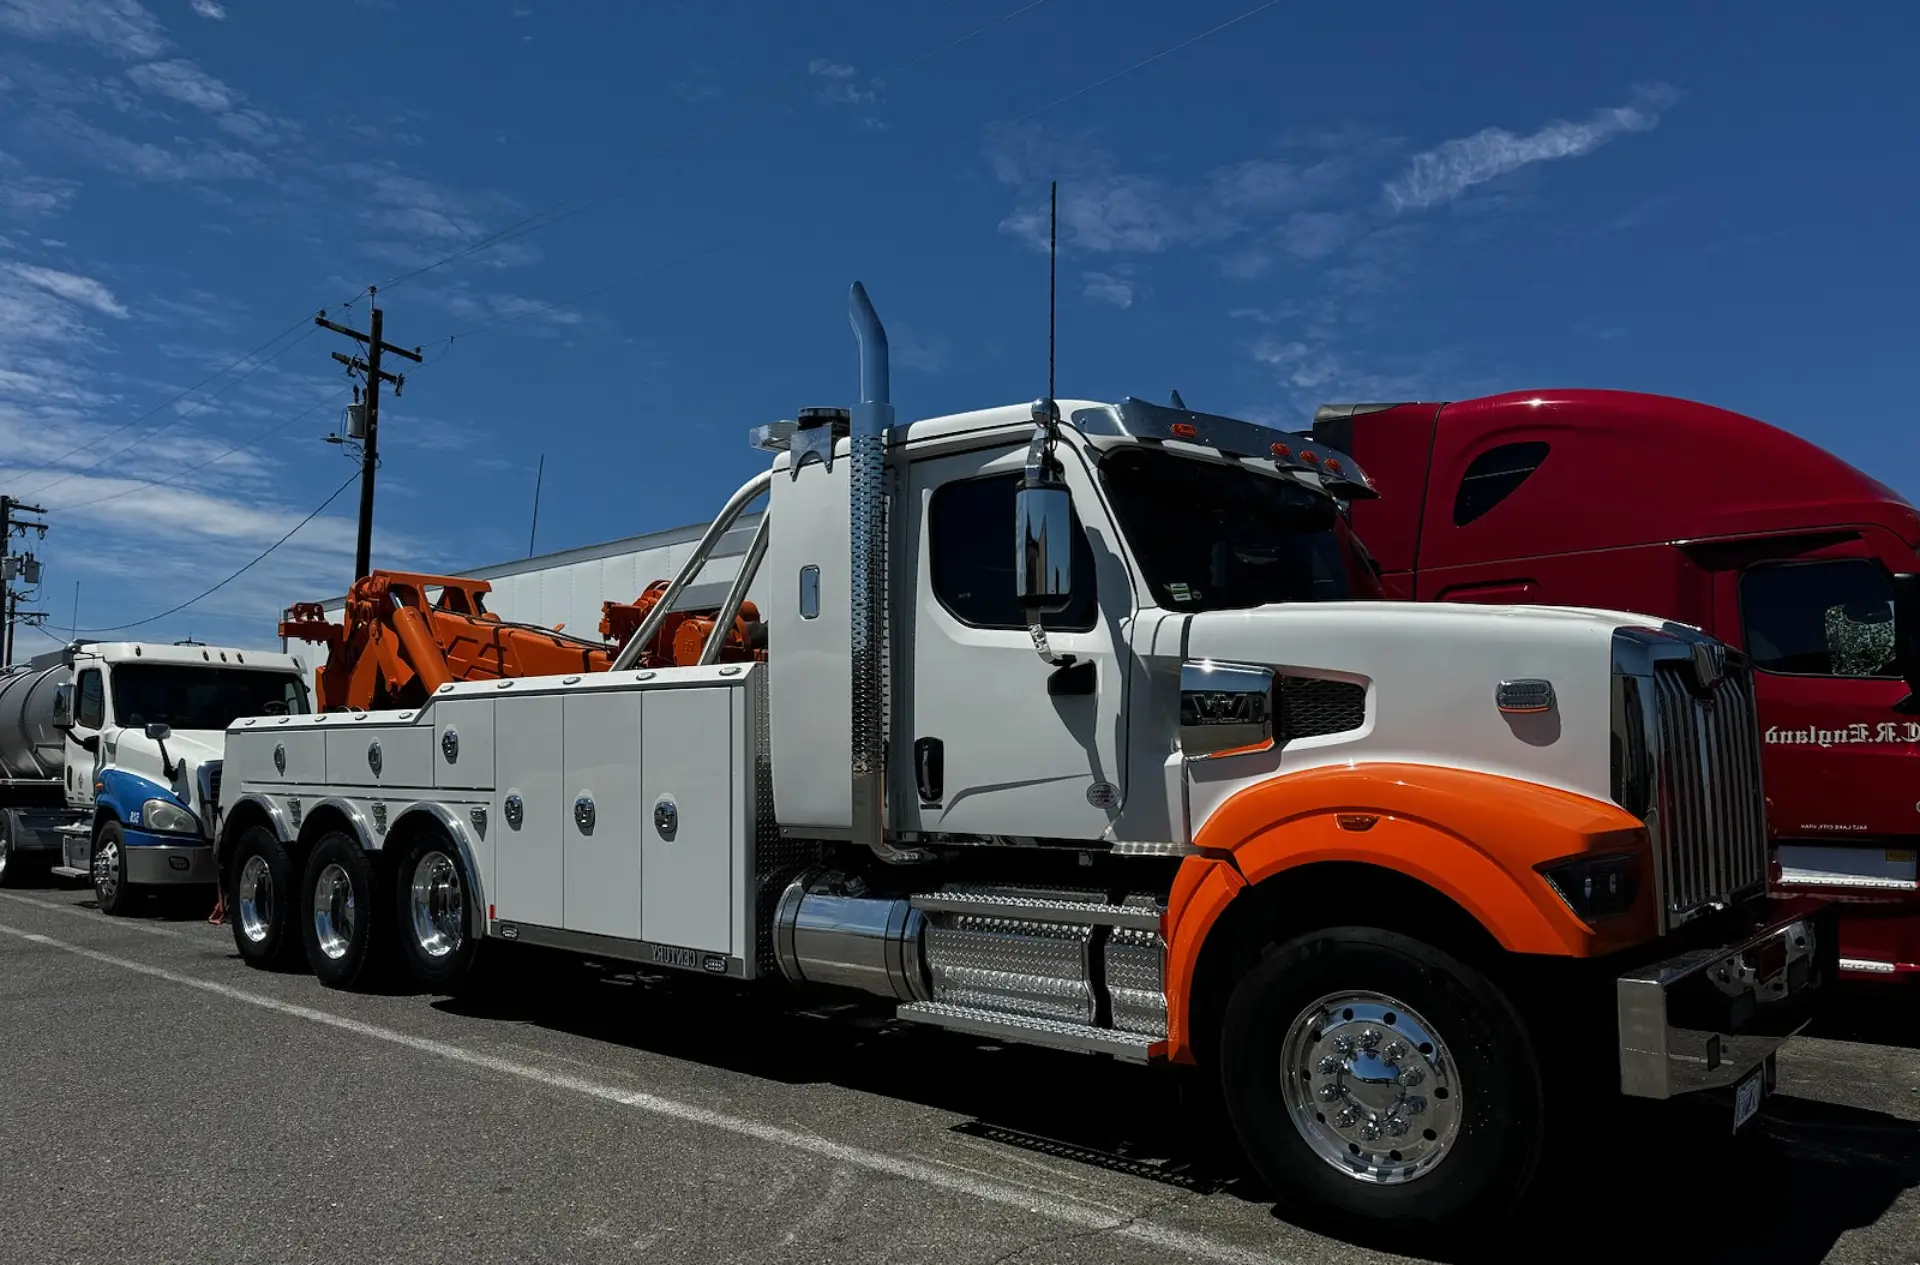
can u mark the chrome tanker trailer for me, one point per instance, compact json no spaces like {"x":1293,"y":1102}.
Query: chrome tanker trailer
{"x":34,"y":779}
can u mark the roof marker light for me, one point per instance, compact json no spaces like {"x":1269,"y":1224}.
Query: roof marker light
{"x":1332,"y":465}
{"x":1185,"y":430}
{"x":1281,"y":452}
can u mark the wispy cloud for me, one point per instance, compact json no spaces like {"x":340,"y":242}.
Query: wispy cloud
{"x":122,"y":28}
{"x":209,"y":10}
{"x":72,"y":287}
{"x":839,"y":82}
{"x":1450,"y":169}
{"x":24,"y":195}
{"x":1105,"y":287}
{"x":182,"y":81}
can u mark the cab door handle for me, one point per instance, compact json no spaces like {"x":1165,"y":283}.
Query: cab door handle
{"x":929,"y":768}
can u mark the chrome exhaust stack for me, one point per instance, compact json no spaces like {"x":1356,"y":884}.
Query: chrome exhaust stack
{"x":871,"y":419}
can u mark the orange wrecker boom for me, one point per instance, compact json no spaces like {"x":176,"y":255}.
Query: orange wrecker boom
{"x":406,"y":634}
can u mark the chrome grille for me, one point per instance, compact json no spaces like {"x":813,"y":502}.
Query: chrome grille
{"x":1712,"y":811}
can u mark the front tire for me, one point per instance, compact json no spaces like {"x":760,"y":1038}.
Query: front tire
{"x":433,"y":914}
{"x":1377,"y":1078}
{"x":345,"y":924}
{"x":264,"y":901}
{"x":108,"y":865}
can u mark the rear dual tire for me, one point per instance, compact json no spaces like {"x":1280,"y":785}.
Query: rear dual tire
{"x":433,"y":913}
{"x":263,"y":901}
{"x":347,"y":931}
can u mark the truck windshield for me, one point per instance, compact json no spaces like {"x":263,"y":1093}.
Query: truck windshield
{"x":1222,"y":537}
{"x":182,"y":696}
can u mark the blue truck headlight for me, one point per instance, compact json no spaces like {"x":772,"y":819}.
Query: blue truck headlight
{"x":167,"y":817}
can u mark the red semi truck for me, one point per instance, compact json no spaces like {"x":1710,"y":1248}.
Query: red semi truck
{"x":1642,"y":502}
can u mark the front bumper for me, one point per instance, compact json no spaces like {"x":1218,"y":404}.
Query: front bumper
{"x":159,"y":860}
{"x":1708,"y":1017}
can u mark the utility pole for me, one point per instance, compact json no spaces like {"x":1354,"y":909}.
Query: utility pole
{"x":370,"y":442}
{"x":24,"y":567}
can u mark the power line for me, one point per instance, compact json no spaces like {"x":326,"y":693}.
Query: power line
{"x":178,"y":418}
{"x":261,"y":556}
{"x":1141,"y":65}
{"x":166,"y":403}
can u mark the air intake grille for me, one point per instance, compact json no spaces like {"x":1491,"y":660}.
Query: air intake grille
{"x":1311,"y":706}
{"x":1712,"y":823}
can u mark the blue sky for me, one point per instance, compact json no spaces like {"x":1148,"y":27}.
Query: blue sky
{"x":1315,"y":203}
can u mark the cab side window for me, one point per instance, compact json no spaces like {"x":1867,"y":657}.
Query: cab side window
{"x":90,"y":701}
{"x":1493,"y":476}
{"x":1820,"y":618}
{"x":970,"y":543}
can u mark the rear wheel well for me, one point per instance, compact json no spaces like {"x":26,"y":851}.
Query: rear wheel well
{"x":239,"y":819}
{"x":1310,"y":897}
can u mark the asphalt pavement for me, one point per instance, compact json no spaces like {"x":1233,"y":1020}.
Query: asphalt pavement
{"x":161,"y":1102}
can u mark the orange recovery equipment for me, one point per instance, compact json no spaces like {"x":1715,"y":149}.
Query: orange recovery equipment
{"x":405,"y":634}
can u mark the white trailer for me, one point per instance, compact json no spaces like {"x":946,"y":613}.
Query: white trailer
{"x":1085,"y":742}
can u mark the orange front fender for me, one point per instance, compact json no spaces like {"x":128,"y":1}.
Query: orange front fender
{"x":1472,"y":837}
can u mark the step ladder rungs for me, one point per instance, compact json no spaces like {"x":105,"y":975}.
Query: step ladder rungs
{"x":1132,"y":1047}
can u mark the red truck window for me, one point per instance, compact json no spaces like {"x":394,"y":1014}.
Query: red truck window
{"x":1831,"y":618}
{"x":1493,"y":476}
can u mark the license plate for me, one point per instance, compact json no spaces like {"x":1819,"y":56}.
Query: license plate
{"x":1747,"y":1096}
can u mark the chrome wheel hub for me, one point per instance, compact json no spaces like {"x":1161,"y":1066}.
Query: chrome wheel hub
{"x":438,"y":905}
{"x":254,"y":896}
{"x":333,"y":911}
{"x":1371,"y":1087}
{"x":106,"y":868}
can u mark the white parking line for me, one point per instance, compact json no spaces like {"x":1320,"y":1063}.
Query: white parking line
{"x":118,"y":924}
{"x":1052,"y":1207}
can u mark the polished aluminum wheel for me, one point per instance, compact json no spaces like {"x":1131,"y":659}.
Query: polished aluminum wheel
{"x":106,"y":868}
{"x":254,"y":896}
{"x":1371,"y":1087}
{"x":333,"y":910}
{"x":438,"y":905}
{"x":6,"y":849}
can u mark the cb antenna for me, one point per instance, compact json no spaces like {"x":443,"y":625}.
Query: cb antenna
{"x":1053,"y":257}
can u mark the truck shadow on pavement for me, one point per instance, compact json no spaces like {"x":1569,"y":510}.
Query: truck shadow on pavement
{"x":1665,"y":1180}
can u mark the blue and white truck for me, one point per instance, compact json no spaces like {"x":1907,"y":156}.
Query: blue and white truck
{"x":110,"y":757}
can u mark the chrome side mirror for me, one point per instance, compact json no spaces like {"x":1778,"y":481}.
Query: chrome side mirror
{"x":1225,"y":709}
{"x":1043,"y":546}
{"x":159,"y":732}
{"x":63,"y":706}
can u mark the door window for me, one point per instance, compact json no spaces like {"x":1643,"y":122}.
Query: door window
{"x":90,"y":701}
{"x":969,"y":538}
{"x":1820,"y":618}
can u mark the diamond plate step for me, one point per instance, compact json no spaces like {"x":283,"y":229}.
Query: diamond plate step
{"x":1040,"y":909}
{"x":1129,"y":1046}
{"x":68,"y":871}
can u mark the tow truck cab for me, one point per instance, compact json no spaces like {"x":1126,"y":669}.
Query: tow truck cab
{"x":1769,"y":543}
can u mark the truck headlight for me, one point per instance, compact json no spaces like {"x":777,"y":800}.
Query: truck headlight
{"x":168,"y":817}
{"x":1596,"y":887}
